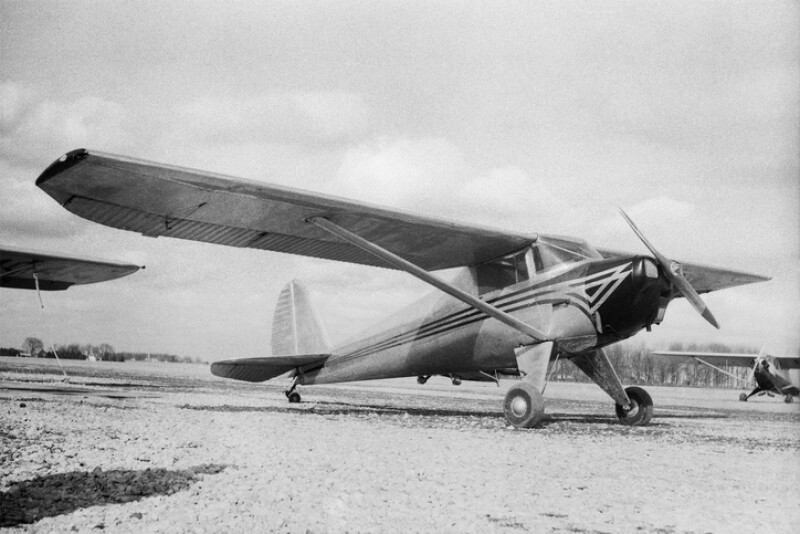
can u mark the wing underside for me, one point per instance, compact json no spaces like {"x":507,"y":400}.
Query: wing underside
{"x":162,"y":200}
{"x":55,"y":271}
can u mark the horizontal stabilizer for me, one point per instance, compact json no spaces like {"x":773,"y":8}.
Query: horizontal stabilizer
{"x":261,"y":369}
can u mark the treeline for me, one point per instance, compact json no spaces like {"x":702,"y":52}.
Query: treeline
{"x":146,"y":356}
{"x":636,"y":365}
{"x":34,"y":347}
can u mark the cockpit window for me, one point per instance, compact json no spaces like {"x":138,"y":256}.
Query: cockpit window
{"x":550,"y":252}
{"x":502,"y":272}
{"x":546,"y":254}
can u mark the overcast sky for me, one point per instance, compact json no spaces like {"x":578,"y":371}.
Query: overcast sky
{"x":540,"y":116}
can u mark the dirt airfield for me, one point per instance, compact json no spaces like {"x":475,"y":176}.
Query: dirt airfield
{"x":148,"y":447}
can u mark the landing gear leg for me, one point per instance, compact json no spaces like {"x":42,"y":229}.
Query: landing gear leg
{"x":634,"y":405}
{"x":743,"y":397}
{"x":291,"y":393}
{"x":524,"y":405}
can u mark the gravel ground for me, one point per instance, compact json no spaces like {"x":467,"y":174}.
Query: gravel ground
{"x":167,"y":448}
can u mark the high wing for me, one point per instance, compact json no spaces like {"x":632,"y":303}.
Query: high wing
{"x":730,"y":359}
{"x":55,"y":271}
{"x":162,"y":200}
{"x":704,"y":278}
{"x":261,"y":369}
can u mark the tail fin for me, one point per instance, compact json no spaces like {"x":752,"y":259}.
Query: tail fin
{"x":296,"y":327}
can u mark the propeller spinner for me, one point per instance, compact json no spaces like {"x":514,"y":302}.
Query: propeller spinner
{"x":674,"y":273}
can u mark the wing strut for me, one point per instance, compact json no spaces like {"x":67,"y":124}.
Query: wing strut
{"x":425,"y":276}
{"x":719,"y":369}
{"x":36,"y":283}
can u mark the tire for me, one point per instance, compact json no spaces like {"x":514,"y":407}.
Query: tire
{"x":641,"y":408}
{"x":294,"y":397}
{"x":743,"y":397}
{"x":523,"y":406}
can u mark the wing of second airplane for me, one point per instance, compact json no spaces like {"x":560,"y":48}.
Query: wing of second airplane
{"x":730,"y":359}
{"x":162,"y":200}
{"x":55,"y":271}
{"x":261,"y":369}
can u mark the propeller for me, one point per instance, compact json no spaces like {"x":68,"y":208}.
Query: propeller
{"x":674,"y":273}
{"x":760,"y":358}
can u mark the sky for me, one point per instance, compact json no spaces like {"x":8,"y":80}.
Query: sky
{"x":534,"y":116}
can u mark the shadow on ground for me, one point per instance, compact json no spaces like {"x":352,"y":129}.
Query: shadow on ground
{"x":52,"y":495}
{"x":490,"y":412}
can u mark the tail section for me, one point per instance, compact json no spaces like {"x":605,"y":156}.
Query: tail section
{"x":296,"y":327}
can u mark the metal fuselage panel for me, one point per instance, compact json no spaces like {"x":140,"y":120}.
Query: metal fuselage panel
{"x":579,"y":304}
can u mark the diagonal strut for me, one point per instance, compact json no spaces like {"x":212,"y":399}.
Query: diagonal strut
{"x":425,"y":276}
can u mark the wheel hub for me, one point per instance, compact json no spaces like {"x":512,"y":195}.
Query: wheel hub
{"x":519,"y":406}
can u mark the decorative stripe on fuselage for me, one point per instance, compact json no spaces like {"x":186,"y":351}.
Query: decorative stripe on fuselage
{"x":572,"y":292}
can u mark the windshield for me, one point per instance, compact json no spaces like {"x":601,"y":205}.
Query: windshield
{"x":550,"y":252}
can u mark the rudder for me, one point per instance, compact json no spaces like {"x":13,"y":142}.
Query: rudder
{"x":296,"y":327}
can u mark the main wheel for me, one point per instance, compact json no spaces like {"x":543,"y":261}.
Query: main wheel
{"x":523,"y":406}
{"x":743,"y":397}
{"x":641,"y":407}
{"x":788,"y":399}
{"x":294,"y":397}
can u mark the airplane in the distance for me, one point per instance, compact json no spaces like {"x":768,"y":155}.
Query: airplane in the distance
{"x":518,"y":300}
{"x":772,"y":374}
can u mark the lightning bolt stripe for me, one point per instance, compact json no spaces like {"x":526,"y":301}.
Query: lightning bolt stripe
{"x":573,"y":292}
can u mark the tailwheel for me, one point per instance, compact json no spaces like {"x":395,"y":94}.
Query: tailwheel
{"x":293,"y":396}
{"x":641,"y":410}
{"x":524,"y":406}
{"x":743,"y":397}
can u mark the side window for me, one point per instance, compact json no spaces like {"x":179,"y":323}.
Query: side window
{"x":502,"y":272}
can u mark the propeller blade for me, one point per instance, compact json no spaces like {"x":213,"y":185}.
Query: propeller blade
{"x":674,"y":273}
{"x":752,"y":374}
{"x":694,"y":299}
{"x":660,"y":257}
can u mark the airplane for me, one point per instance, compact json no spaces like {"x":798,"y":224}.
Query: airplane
{"x":771,"y":373}
{"x":22,"y":268}
{"x":518,"y":300}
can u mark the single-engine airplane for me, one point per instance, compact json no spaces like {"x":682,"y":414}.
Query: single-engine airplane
{"x":518,"y":301}
{"x":771,"y":373}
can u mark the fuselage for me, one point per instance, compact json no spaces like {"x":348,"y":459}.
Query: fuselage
{"x":584,"y":304}
{"x":770,"y":377}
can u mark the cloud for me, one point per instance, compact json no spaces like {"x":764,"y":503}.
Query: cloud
{"x":303,"y":117}
{"x":26,"y":213}
{"x":33,"y":125}
{"x":432,"y":176}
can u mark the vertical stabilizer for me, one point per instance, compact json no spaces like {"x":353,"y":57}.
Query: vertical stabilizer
{"x":296,"y":327}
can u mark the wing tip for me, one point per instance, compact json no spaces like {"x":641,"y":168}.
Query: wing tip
{"x":71,"y":158}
